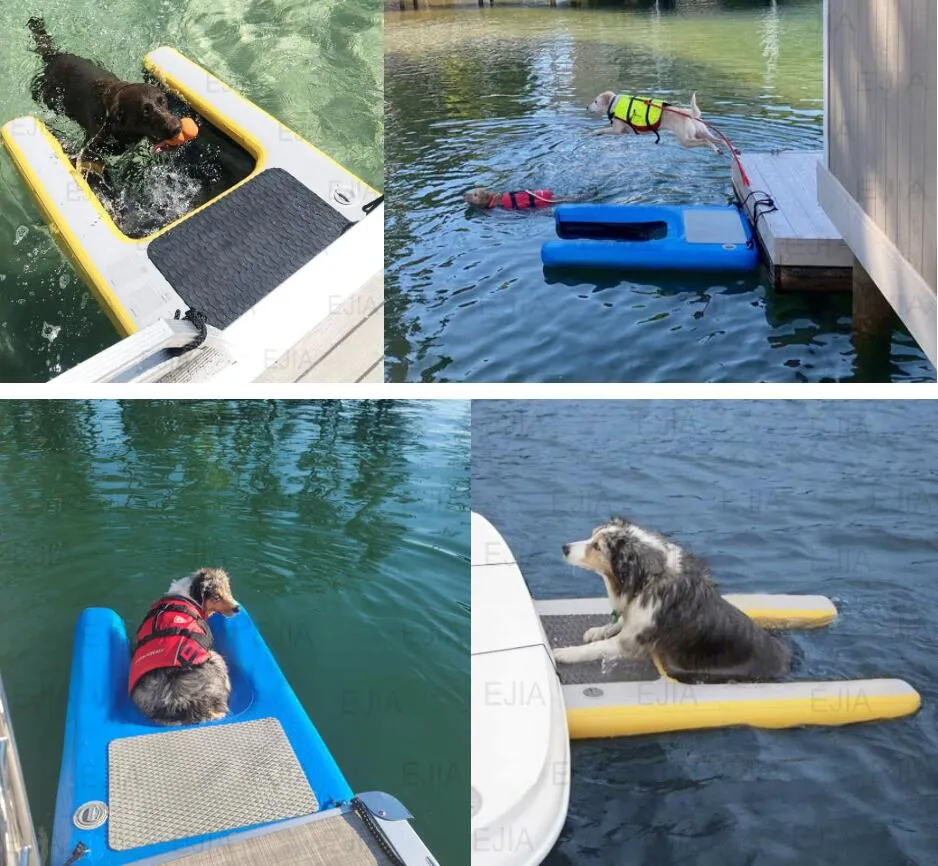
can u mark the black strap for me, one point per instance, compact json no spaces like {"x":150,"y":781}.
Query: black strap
{"x":368,"y":208}
{"x":203,"y":640}
{"x":183,"y":605}
{"x":628,"y":115}
{"x":514,"y":200}
{"x":185,"y":599}
{"x":652,"y":126}
{"x":199,"y":319}
{"x":79,"y":851}
{"x":766,"y":202}
{"x":368,"y":820}
{"x":175,"y":604}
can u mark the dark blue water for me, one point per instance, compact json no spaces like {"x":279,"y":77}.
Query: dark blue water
{"x":497,"y":97}
{"x":834,"y":498}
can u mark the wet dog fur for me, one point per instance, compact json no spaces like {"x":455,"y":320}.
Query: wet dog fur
{"x":115,"y":114}
{"x":669,"y":608}
{"x":175,"y":696}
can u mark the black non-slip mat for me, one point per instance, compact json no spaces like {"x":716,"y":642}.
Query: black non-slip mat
{"x":567,"y":630}
{"x":226,"y":258}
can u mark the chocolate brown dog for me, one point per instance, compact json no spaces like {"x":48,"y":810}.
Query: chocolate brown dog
{"x":115,"y":114}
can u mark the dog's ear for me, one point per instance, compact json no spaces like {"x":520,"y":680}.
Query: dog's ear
{"x":633,"y":565}
{"x":201,"y":586}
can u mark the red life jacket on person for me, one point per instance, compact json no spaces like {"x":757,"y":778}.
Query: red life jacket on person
{"x":523,"y":199}
{"x":173,"y":634}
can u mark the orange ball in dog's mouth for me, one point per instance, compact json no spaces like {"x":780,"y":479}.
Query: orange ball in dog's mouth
{"x":188,"y":130}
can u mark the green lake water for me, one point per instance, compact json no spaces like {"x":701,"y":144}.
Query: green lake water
{"x":316,"y":66}
{"x":344,"y":527}
{"x":497,"y":97}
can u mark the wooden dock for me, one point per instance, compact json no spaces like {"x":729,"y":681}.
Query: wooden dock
{"x":801,"y":247}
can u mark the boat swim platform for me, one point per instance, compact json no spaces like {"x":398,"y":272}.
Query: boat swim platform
{"x":623,"y":697}
{"x":334,"y":839}
{"x":802,"y":249}
{"x":287,"y":219}
{"x":272,"y":342}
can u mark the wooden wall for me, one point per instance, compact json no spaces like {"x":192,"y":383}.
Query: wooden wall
{"x":881,"y":117}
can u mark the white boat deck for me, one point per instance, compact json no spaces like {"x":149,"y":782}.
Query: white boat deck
{"x":348,"y":346}
{"x":520,"y":755}
{"x":796,"y":235}
{"x":323,"y":324}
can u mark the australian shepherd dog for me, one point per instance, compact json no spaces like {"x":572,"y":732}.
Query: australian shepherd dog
{"x":669,"y":611}
{"x":176,"y":677}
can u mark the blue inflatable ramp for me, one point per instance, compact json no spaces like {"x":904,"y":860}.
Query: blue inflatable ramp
{"x":655,"y":237}
{"x":257,"y":786}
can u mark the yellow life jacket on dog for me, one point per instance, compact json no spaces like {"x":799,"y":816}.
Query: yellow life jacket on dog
{"x":638,"y":112}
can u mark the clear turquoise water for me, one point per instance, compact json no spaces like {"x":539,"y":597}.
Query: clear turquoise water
{"x":343,"y":525}
{"x":833,"y":498}
{"x":318,"y":67}
{"x":497,"y":97}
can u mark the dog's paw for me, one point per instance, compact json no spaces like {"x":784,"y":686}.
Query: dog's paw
{"x":594,"y":634}
{"x":565,"y":655}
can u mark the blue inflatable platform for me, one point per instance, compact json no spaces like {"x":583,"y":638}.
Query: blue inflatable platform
{"x":656,"y":237}
{"x":132,"y":791}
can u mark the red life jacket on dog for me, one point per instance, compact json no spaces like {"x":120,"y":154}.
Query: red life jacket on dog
{"x":173,"y":634}
{"x":523,"y":199}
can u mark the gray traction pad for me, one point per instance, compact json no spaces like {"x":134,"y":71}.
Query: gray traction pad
{"x":226,"y":258}
{"x":201,"y":780}
{"x":567,"y":630}
{"x":714,"y":227}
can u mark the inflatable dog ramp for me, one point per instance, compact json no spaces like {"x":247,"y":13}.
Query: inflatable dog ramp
{"x":222,"y":258}
{"x":258,"y":786}
{"x":620,"y":698}
{"x":525,"y":709}
{"x":652,"y":237}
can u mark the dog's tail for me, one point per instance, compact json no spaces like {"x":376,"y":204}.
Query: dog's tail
{"x":45,"y":47}
{"x":694,"y":110}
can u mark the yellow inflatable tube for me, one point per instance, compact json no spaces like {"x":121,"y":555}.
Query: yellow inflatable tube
{"x":634,"y":698}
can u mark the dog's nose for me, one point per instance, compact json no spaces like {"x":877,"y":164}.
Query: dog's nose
{"x":236,"y":608}
{"x":566,"y":549}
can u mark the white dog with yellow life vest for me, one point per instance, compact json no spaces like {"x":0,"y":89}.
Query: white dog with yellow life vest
{"x":641,"y":114}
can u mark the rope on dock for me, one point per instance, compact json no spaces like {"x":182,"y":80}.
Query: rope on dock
{"x":199,"y":319}
{"x":766,"y":202}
